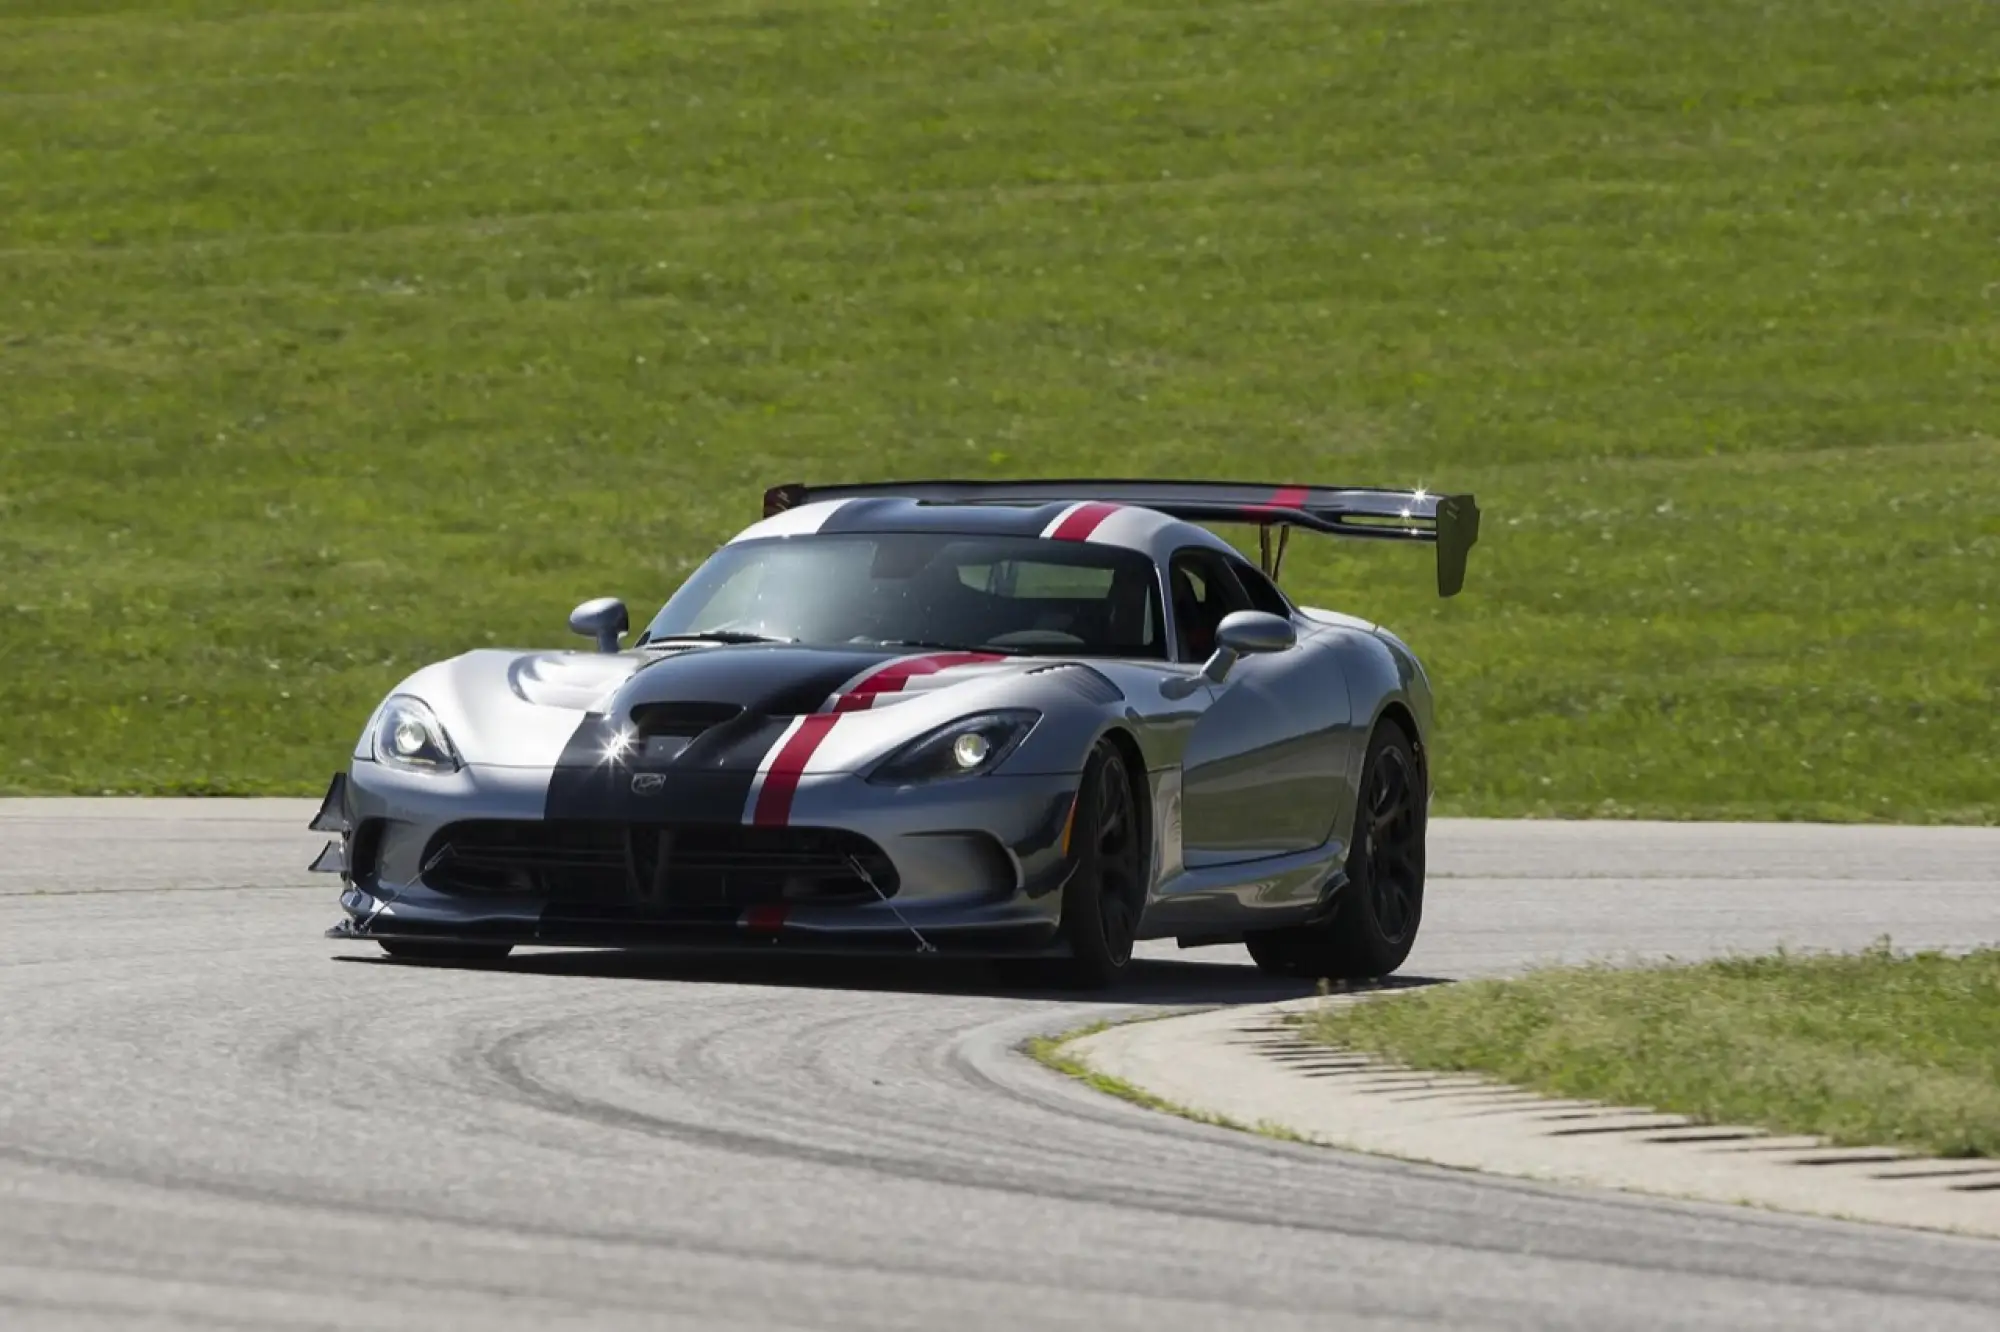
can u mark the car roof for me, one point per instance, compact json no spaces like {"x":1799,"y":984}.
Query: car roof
{"x":1130,"y":526}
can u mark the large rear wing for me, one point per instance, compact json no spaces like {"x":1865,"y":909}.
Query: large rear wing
{"x":1450,"y":522}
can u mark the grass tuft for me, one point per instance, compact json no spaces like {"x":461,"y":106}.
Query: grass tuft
{"x":1875,"y":1048}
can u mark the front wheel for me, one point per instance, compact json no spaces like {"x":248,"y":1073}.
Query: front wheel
{"x":426,"y":950}
{"x":1106,"y":890}
{"x":1374,"y":924}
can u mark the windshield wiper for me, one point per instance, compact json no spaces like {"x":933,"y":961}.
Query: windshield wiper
{"x":716,"y":636}
{"x":931,"y":645}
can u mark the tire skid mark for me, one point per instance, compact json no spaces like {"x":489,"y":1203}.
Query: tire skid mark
{"x":505,"y":1061}
{"x":942,"y":1135}
{"x":948,"y":1135}
{"x":696,"y":1050}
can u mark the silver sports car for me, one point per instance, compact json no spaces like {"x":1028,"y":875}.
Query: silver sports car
{"x":1042,"y":718}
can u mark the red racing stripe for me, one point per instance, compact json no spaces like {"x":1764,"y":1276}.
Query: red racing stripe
{"x":1284,"y":497}
{"x":765,"y":919}
{"x":1080,"y":522}
{"x":890,"y":677}
{"x":781,"y":780}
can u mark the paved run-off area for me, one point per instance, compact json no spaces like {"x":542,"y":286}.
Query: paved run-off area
{"x":210,"y":1114}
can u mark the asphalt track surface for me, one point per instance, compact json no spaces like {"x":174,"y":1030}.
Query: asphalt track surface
{"x":212,"y":1116}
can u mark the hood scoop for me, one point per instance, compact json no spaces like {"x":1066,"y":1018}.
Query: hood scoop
{"x":683,"y":731}
{"x":686,"y":720}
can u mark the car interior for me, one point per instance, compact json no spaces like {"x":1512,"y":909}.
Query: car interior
{"x":1113,"y":612}
{"x":1204,"y":590}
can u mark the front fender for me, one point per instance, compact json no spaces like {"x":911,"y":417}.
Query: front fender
{"x":507,"y":708}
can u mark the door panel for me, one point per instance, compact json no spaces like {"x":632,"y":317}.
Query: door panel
{"x":1265,"y":766}
{"x":1262,"y":768}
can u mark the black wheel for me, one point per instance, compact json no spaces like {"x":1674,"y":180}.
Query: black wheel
{"x":426,"y":950}
{"x":1374,"y":923}
{"x":1102,"y":900}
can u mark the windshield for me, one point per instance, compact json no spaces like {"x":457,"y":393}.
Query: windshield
{"x":933,"y":590}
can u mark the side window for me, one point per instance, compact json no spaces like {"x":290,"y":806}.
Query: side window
{"x":1109,"y":608}
{"x":1203,"y":591}
{"x":1263,"y":593}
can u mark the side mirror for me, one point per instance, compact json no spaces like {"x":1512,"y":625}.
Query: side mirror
{"x":1242,"y":633}
{"x":603,"y":619}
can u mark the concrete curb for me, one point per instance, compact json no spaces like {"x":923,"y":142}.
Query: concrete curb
{"x":1247,"y":1065}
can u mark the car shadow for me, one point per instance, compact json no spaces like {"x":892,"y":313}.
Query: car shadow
{"x":1161,"y":982}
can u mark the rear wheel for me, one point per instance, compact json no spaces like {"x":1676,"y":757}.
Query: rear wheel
{"x":1375,"y":922}
{"x":427,"y":950}
{"x":1102,"y":900}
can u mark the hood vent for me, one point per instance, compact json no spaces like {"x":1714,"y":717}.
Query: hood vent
{"x":682,"y":719}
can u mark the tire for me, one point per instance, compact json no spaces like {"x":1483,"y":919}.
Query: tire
{"x":425,"y":950}
{"x":1375,"y":920}
{"x":1106,"y":891}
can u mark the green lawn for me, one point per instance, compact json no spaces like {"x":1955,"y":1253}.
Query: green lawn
{"x":1875,"y":1048}
{"x":338,"y":337}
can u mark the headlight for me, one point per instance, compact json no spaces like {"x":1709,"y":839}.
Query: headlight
{"x":408,"y":735}
{"x":968,"y":747}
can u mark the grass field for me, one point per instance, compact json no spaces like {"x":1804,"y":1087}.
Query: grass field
{"x":1871,"y":1048}
{"x":337,"y":337}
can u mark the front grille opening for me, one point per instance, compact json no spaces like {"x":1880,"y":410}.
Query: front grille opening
{"x":364,"y":850}
{"x":639,"y":871}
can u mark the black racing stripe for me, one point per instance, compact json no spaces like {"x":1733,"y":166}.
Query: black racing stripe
{"x":593,"y":782}
{"x":707,"y":780}
{"x":904,"y":515}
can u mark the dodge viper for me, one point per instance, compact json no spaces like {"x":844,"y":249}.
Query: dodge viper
{"x":1045,"y":718}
